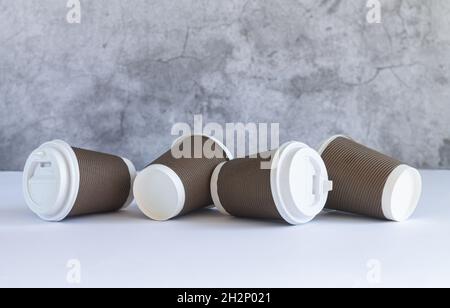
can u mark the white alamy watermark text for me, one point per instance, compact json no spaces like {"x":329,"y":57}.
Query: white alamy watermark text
{"x":374,"y":14}
{"x":74,"y":14}
{"x":244,"y":139}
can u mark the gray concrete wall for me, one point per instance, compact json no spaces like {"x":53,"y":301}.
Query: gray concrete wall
{"x":120,"y":79}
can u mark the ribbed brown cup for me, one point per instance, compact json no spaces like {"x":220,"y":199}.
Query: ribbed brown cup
{"x":62,"y":181}
{"x":290,"y":184}
{"x":105,"y":183}
{"x":360,"y":175}
{"x":192,"y":173}
{"x":244,"y":189}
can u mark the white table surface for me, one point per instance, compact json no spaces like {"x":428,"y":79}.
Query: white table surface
{"x":207,"y":249}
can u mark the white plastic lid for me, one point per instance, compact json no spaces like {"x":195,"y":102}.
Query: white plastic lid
{"x":299,"y":181}
{"x":402,"y":193}
{"x":51,"y":180}
{"x":159,"y":191}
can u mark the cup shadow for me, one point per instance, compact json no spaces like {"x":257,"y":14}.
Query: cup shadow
{"x":330,"y":216}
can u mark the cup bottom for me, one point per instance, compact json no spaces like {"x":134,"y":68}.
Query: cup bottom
{"x":159,"y":192}
{"x":402,"y":193}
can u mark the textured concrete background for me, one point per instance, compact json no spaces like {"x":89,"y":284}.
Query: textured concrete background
{"x":120,"y":79}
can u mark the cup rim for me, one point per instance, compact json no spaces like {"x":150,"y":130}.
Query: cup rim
{"x":327,"y":142}
{"x":215,"y":189}
{"x":133,"y":175}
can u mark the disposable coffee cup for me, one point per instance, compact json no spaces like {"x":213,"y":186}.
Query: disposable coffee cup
{"x":293,"y":189}
{"x":174,"y":185}
{"x":370,"y":183}
{"x":61,"y":181}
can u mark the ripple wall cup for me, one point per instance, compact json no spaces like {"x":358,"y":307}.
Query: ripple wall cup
{"x":293,"y":189}
{"x":177,"y":183}
{"x":61,"y":181}
{"x":369,"y":183}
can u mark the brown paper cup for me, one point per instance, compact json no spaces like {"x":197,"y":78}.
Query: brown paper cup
{"x":369,"y":183}
{"x":61,"y":181}
{"x":175,"y":185}
{"x":294,"y":189}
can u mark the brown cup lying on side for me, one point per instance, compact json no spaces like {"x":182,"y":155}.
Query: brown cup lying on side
{"x":292,"y":188}
{"x":369,"y":183}
{"x":61,"y":181}
{"x":178,"y":182}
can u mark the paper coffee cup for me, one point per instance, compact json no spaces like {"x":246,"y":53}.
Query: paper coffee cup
{"x":173,"y":186}
{"x":60,"y":181}
{"x":294,"y":189}
{"x":369,"y":183}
